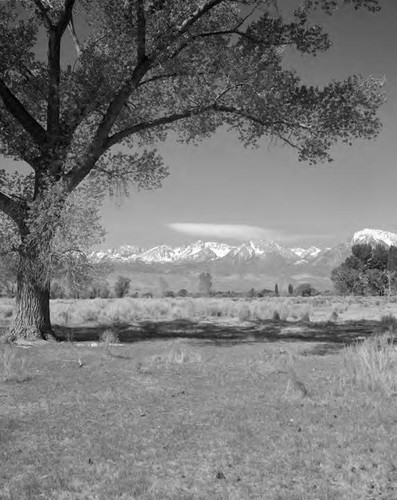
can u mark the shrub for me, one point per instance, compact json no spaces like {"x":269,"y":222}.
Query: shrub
{"x":388,"y":324}
{"x":122,"y":286}
{"x":276,"y":315}
{"x":306,"y":290}
{"x":305,"y":316}
{"x":109,"y":337}
{"x":334,"y":316}
{"x":8,"y":312}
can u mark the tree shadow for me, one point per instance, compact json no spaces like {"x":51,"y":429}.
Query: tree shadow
{"x":333,"y":335}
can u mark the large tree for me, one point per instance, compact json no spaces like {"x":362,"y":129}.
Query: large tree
{"x":142,"y":69}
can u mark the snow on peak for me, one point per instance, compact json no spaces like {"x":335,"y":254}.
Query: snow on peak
{"x":209,"y":248}
{"x":374,"y":237}
{"x":161,"y":253}
{"x":304,"y":253}
{"x":123,"y":253}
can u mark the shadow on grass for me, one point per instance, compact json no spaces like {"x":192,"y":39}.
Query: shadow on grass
{"x":334,"y":334}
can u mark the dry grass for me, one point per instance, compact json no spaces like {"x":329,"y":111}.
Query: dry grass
{"x":372,"y":364}
{"x":128,"y":310}
{"x":13,"y":366}
{"x":179,"y":419}
{"x":258,"y":418}
{"x":110,"y":312}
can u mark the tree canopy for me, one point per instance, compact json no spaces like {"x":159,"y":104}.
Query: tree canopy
{"x":140,"y":70}
{"x":368,"y":271}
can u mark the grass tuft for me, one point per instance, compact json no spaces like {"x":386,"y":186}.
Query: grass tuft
{"x":372,"y":364}
{"x":109,"y":338}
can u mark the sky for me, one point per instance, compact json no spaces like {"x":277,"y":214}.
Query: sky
{"x":220,"y":191}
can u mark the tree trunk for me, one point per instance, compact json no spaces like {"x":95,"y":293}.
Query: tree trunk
{"x":32,"y":315}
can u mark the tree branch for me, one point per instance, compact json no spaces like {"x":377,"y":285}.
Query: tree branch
{"x":66,"y":17}
{"x":12,"y":208}
{"x":54,"y":68}
{"x":78,"y":174}
{"x":14,"y":106}
{"x":141,"y":31}
{"x":206,"y":7}
{"x":165,"y":120}
{"x":259,"y":121}
{"x":118,"y":103}
{"x":75,"y":39}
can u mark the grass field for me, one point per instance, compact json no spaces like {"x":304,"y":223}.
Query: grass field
{"x":203,"y":400}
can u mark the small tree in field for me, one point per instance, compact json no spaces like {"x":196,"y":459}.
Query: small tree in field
{"x":142,"y":69}
{"x":290,"y":289}
{"x":276,"y":289}
{"x":205,"y":284}
{"x":122,"y":286}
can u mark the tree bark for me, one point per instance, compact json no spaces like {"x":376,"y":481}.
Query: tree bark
{"x":32,"y":315}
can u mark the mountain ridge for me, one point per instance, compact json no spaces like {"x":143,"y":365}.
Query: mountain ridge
{"x":209,"y":250}
{"x":250,"y":258}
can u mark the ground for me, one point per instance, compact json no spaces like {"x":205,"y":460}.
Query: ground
{"x":203,"y":407}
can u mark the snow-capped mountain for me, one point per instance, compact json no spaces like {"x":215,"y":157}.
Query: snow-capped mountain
{"x":204,"y":249}
{"x":259,"y":252}
{"x":161,"y":253}
{"x":125,"y":253}
{"x":304,"y":253}
{"x":374,"y":237}
{"x":259,"y":262}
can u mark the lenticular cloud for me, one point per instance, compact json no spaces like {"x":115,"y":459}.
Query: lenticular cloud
{"x":224,"y":231}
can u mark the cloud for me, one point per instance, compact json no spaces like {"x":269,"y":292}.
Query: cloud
{"x":241,"y":232}
{"x":245,"y":232}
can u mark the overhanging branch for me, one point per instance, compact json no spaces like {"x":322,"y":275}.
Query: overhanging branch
{"x":158,"y":122}
{"x":259,"y":121}
{"x":14,"y":106}
{"x":214,"y":107}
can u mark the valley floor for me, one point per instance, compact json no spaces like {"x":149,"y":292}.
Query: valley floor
{"x":242,"y":407}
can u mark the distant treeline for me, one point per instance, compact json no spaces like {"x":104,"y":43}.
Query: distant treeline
{"x":90,"y":281}
{"x":122,"y":288}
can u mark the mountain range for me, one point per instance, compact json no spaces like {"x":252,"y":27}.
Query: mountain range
{"x":202,"y":251}
{"x":252,"y":261}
